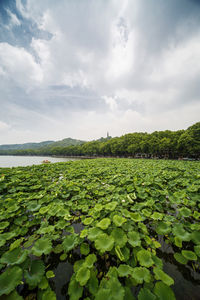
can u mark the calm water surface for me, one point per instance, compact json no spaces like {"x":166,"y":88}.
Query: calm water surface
{"x":9,"y":161}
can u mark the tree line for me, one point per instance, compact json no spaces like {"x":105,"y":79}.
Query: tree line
{"x":160,"y":144}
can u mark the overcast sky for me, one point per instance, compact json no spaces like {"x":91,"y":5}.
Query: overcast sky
{"x":72,"y":68}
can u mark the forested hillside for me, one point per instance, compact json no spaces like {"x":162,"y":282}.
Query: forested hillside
{"x":162,"y":144}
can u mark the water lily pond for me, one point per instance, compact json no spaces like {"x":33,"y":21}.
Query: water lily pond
{"x":114,"y":229}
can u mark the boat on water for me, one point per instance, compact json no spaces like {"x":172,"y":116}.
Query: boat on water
{"x":46,"y":161}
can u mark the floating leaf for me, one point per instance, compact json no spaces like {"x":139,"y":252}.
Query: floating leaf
{"x":180,"y":258}
{"x":118,"y":220}
{"x":136,"y":217}
{"x":48,"y":295}
{"x":119,"y":236}
{"x":104,"y":223}
{"x":146,"y":294}
{"x":83,"y":275}
{"x":195,"y":236}
{"x":144,"y":257}
{"x":119,"y":253}
{"x":190,"y":255}
{"x":88,"y":221}
{"x":93,"y":233}
{"x":42,"y":246}
{"x":134,"y":238}
{"x":12,"y":296}
{"x":163,"y":291}
{"x":124,"y":270}
{"x":197,"y":250}
{"x":70,"y":242}
{"x":10,"y":279}
{"x":163,"y":228}
{"x":178,"y":242}
{"x":179,"y":231}
{"x":111,"y":206}
{"x":157,"y":216}
{"x":141,"y":274}
{"x":104,"y":242}
{"x":50,"y":274}
{"x":58,"y":249}
{"x":160,"y":275}
{"x":3,"y":225}
{"x":90,"y":260}
{"x":185,"y":212}
{"x":85,"y":249}
{"x":43,"y":283}
{"x":98,"y":207}
{"x":93,"y":283}
{"x":35,"y":273}
{"x":14,"y":257}
{"x":63,"y":256}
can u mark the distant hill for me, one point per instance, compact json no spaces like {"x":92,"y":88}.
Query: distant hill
{"x":26,"y":146}
{"x":47,"y":144}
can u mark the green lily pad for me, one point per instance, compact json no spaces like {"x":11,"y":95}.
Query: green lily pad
{"x":179,"y":231}
{"x":118,"y":220}
{"x":119,"y":236}
{"x":90,"y":260}
{"x":50,"y":274}
{"x":190,"y":255}
{"x":124,"y":270}
{"x":85,"y":249}
{"x":88,"y":221}
{"x":10,"y":279}
{"x":180,"y":258}
{"x":157,"y":216}
{"x":42,"y":246}
{"x":144,"y":257}
{"x":104,"y":223}
{"x":83,"y":275}
{"x":58,"y":249}
{"x":163,"y":228}
{"x":14,"y":257}
{"x":48,"y":295}
{"x":35,"y":273}
{"x":3,"y":225}
{"x":98,"y":207}
{"x":104,"y":242}
{"x":160,"y":275}
{"x":70,"y":242}
{"x":63,"y":256}
{"x":185,"y":212}
{"x":93,"y":233}
{"x":75,"y":291}
{"x":163,"y":291}
{"x":93,"y":283}
{"x":111,"y":206}
{"x":12,"y":296}
{"x":195,"y":236}
{"x":134,"y":238}
{"x":136,"y":217}
{"x":146,"y":294}
{"x":141,"y":274}
{"x":197,"y":250}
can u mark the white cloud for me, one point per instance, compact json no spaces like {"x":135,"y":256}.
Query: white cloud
{"x":14,"y":21}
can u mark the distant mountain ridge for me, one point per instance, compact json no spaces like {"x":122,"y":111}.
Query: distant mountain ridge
{"x":46,"y":144}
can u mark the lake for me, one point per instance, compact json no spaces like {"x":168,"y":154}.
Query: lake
{"x":9,"y":161}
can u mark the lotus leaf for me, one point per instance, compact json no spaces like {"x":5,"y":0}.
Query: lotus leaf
{"x":90,"y":260}
{"x":48,"y":295}
{"x":85,"y":249}
{"x":35,"y":273}
{"x":128,"y":294}
{"x":104,"y":242}
{"x":146,"y":294}
{"x":12,"y":296}
{"x":93,"y":283}
{"x":94,"y":233}
{"x":43,"y":285}
{"x":163,"y":291}
{"x":83,"y":275}
{"x":157,"y":216}
{"x":111,"y":206}
{"x":118,"y":220}
{"x":190,"y":255}
{"x":178,"y":242}
{"x":134,"y":238}
{"x":104,"y":223}
{"x":50,"y":274}
{"x":58,"y":249}
{"x":3,"y":225}
{"x":14,"y":257}
{"x":157,"y":261}
{"x":103,"y":294}
{"x":42,"y":246}
{"x":163,"y":228}
{"x":119,"y":236}
{"x":160,"y":275}
{"x":196,"y":237}
{"x":180,"y":258}
{"x":197,"y":250}
{"x":181,"y":233}
{"x":70,"y":242}
{"x":63,"y":256}
{"x":115,"y":286}
{"x":98,"y":207}
{"x":185,"y":212}
{"x":84,"y":233}
{"x":144,"y":257}
{"x":16,"y":243}
{"x":10,"y":279}
{"x":88,"y":221}
{"x":141,"y":274}
{"x":124,"y":270}
{"x":136,"y":217}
